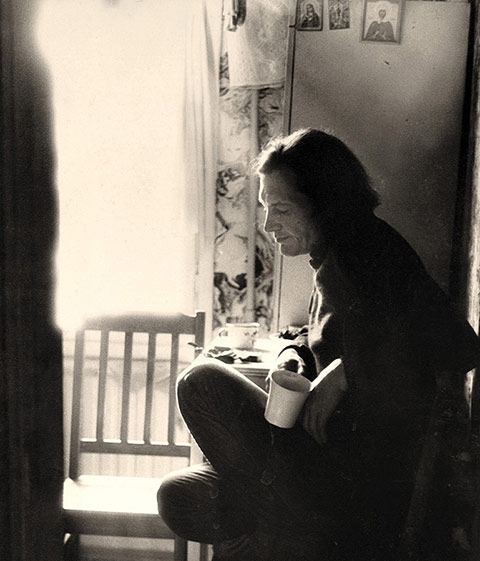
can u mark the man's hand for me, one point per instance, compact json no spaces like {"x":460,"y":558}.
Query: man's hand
{"x":322,"y":402}
{"x":289,"y":359}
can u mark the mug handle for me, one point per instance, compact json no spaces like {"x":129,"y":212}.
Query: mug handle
{"x":223,"y":332}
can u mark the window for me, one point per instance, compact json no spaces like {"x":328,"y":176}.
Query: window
{"x":126,"y":241}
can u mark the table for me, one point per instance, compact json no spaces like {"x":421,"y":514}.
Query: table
{"x":265,"y":352}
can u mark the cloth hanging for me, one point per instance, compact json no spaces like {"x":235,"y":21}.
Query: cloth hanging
{"x":257,"y":50}
{"x":130,"y":214}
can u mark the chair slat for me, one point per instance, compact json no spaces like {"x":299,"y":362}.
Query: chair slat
{"x":147,"y":425}
{"x":171,"y":388}
{"x":102,"y":384}
{"x":135,"y":448}
{"x":200,"y":332}
{"x":144,"y":323}
{"x":127,"y":375}
{"x":76,"y":404}
{"x":152,"y":324}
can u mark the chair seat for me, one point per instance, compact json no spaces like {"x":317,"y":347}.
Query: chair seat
{"x":114,"y":506}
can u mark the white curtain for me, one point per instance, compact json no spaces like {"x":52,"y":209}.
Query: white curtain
{"x":201,"y":135}
{"x":123,"y":74}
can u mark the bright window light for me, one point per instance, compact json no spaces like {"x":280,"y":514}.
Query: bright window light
{"x":117,"y":71}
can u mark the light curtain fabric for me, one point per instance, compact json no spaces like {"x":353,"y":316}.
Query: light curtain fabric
{"x":132,"y":80}
{"x":467,"y":252}
{"x":473,"y":264}
{"x":468,"y":293}
{"x":472,"y":199}
{"x":233,"y":192}
{"x":257,"y":50}
{"x":202,"y":69}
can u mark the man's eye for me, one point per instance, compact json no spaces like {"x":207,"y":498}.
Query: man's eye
{"x":282,"y":210}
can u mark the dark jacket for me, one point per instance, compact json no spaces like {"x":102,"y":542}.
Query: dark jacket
{"x":375,"y":306}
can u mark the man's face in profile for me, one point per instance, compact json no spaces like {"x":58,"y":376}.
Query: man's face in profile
{"x":288,"y":214}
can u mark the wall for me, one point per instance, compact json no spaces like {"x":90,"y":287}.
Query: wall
{"x":399,"y":107}
{"x":31,"y":457}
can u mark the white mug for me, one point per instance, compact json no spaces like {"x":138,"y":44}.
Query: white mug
{"x":288,"y":393}
{"x":240,"y":335}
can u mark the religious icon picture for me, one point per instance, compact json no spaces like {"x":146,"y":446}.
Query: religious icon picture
{"x":309,"y":15}
{"x":381,"y":21}
{"x":338,"y":14}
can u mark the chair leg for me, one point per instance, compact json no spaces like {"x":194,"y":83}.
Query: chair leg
{"x":71,"y":548}
{"x":180,"y":549}
{"x":203,"y":552}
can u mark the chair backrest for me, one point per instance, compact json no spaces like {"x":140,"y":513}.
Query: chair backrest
{"x":127,"y":327}
{"x":439,"y":521}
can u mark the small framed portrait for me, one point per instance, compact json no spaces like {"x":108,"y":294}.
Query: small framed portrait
{"x":338,"y":14}
{"x":382,"y":21}
{"x":309,"y":15}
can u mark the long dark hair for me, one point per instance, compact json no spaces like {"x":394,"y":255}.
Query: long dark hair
{"x":326,"y":171}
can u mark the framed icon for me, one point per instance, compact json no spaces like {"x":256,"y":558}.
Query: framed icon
{"x":309,"y":15}
{"x":381,"y":21}
{"x":338,"y":14}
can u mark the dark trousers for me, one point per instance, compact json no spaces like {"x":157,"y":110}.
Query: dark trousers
{"x":256,"y":488}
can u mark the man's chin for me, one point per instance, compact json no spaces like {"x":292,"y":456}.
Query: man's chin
{"x":288,"y":251}
{"x":292,"y":251}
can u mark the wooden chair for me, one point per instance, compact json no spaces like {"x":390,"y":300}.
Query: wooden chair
{"x":441,"y":523}
{"x":105,"y":505}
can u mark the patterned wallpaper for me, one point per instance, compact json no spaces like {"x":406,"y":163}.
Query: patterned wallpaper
{"x":232,"y":195}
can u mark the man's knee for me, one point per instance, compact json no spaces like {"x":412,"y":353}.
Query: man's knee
{"x":170,"y":500}
{"x":200,"y":379}
{"x":193,"y":376}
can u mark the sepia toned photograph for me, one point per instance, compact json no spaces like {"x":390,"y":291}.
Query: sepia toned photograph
{"x":239,"y":280}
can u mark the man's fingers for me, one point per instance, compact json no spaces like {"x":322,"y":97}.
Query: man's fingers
{"x":268,"y":380}
{"x":291,"y":365}
{"x":314,"y":424}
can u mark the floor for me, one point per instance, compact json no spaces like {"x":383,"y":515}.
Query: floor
{"x":102,"y":548}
